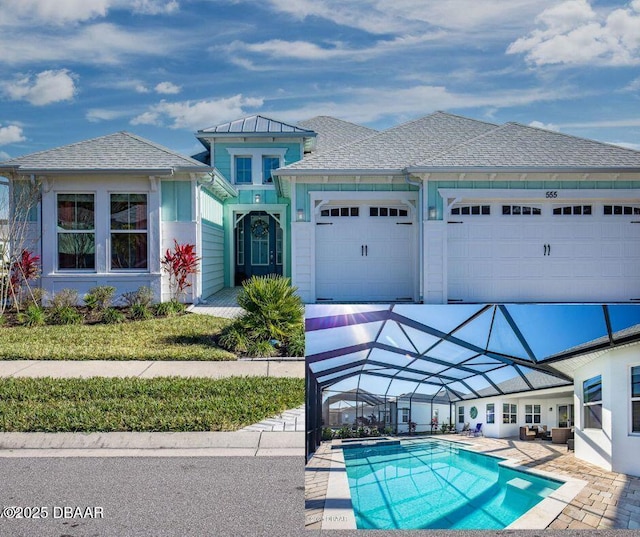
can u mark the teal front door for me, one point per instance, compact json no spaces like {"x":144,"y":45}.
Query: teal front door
{"x":258,"y":246}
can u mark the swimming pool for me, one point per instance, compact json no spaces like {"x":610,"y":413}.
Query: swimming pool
{"x":433,"y":484}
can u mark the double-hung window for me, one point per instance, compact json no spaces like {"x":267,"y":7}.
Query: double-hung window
{"x":635,"y":399}
{"x":460,"y":414}
{"x":269,"y":164}
{"x":491,"y":413}
{"x":129,"y":232}
{"x":532,"y":413}
{"x":243,"y":170}
{"x":592,"y":402}
{"x":76,"y":232}
{"x":509,"y":413}
{"x":405,"y":415}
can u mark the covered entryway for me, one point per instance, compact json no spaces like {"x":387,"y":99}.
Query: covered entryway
{"x":533,"y":250}
{"x":258,"y":246}
{"x":366,"y":251}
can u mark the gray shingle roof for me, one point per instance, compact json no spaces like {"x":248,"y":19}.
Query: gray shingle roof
{"x":115,"y":152}
{"x":513,"y":145}
{"x":333,"y":132}
{"x":255,"y":125}
{"x":396,"y":148}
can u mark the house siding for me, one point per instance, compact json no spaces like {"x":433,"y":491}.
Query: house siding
{"x":176,"y":199}
{"x":222,"y":160}
{"x":212,"y":244}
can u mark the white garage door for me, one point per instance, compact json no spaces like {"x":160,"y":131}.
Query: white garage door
{"x":582,"y":251}
{"x":366,"y":252}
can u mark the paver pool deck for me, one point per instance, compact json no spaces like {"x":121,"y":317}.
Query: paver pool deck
{"x":609,"y":500}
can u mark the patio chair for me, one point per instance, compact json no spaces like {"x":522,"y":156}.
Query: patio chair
{"x":478,"y":430}
{"x":527,"y":434}
{"x":465,"y":429}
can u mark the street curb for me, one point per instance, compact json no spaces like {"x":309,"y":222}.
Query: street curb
{"x":147,"y":444}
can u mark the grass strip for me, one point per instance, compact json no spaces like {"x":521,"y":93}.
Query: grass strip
{"x":132,"y":404}
{"x":185,"y":337}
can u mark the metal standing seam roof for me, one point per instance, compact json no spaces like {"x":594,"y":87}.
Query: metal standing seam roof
{"x":513,"y":145}
{"x":121,"y":151}
{"x":333,"y":132}
{"x":256,"y":125}
{"x":394,"y":149}
{"x":455,"y":353}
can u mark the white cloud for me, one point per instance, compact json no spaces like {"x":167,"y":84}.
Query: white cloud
{"x":627,"y":145}
{"x":375,"y":16}
{"x":167,"y":88}
{"x":546,"y":126}
{"x":45,"y":88}
{"x":61,"y":12}
{"x":4,"y":156}
{"x":155,"y":7}
{"x":11,"y":134}
{"x":95,"y":115}
{"x":373,"y":104}
{"x":573,"y":33}
{"x":197,"y":114}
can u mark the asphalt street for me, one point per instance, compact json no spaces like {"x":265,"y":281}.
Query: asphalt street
{"x":153,"y":496}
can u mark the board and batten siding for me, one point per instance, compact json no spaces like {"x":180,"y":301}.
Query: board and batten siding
{"x":222,"y":159}
{"x":212,"y":245}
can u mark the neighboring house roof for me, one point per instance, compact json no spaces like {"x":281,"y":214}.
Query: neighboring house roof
{"x":118,"y":152}
{"x":513,"y":145}
{"x":333,"y":132}
{"x":394,"y":149}
{"x":255,"y":125}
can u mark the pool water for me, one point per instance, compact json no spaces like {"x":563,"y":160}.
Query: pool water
{"x":435,"y":484}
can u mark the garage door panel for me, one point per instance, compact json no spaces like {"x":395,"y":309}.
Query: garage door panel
{"x":547,"y":257}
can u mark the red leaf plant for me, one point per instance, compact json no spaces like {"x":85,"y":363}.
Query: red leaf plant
{"x":179,"y":264}
{"x":23,"y":270}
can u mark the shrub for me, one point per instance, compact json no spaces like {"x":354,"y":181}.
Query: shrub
{"x":272,"y":319}
{"x":180,"y":264}
{"x":295,"y":343}
{"x":65,"y":298}
{"x":143,"y":296}
{"x":166,"y":309}
{"x":327,"y":433}
{"x":3,"y":319}
{"x":100,"y":297}
{"x":64,"y":315}
{"x":112,"y":316}
{"x":21,"y":272}
{"x":344,"y":432}
{"x":32,"y":316}
{"x":141,"y":312}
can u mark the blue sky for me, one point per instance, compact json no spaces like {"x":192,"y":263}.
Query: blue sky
{"x":75,"y":69}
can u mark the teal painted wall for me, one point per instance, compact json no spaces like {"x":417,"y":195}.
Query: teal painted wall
{"x":222,"y":159}
{"x":303,"y":190}
{"x":434,"y":199}
{"x":176,"y":201}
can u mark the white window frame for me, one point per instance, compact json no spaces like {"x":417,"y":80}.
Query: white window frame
{"x":460,"y":414}
{"x":492,"y":413}
{"x":405,"y":417}
{"x":591,"y":403}
{"x":235,"y":170}
{"x":511,"y":414}
{"x":632,"y":399}
{"x":69,"y":231}
{"x":533,"y":414}
{"x":130,"y":231}
{"x":256,"y":154}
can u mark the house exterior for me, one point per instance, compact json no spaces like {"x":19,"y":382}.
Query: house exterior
{"x":443,"y":209}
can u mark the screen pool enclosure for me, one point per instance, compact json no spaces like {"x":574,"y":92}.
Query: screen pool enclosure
{"x":364,"y":357}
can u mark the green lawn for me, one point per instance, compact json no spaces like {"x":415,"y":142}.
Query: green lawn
{"x":133,"y":404}
{"x":185,"y":337}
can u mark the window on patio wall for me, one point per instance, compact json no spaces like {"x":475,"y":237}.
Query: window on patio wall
{"x":592,"y":402}
{"x":405,"y":415}
{"x":129,"y":232}
{"x":460,"y":414}
{"x":509,"y":413}
{"x":491,"y":413}
{"x":76,"y":232}
{"x":635,"y":399}
{"x":532,"y":413}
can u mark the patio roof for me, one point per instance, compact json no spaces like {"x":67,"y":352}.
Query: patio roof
{"x":460,"y":352}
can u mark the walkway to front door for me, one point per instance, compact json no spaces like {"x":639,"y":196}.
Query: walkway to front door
{"x":224,"y":303}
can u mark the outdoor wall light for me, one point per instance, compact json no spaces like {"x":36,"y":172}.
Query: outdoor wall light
{"x":433,"y":213}
{"x":300,"y":215}
{"x":257,"y":198}
{"x":550,"y":409}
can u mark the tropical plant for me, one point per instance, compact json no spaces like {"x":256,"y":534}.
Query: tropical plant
{"x":327,"y":433}
{"x":166,"y":309}
{"x":180,"y":264}
{"x":65,"y":298}
{"x":23,"y":270}
{"x":32,"y":316}
{"x":64,"y":315}
{"x":141,"y":312}
{"x":273,"y":319}
{"x":112,"y":316}
{"x":143,"y":296}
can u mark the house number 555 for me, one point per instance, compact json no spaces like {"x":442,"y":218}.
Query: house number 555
{"x":551,"y":194}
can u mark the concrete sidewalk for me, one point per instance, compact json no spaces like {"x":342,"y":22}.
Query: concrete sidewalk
{"x":149,"y":369}
{"x":126,"y":444}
